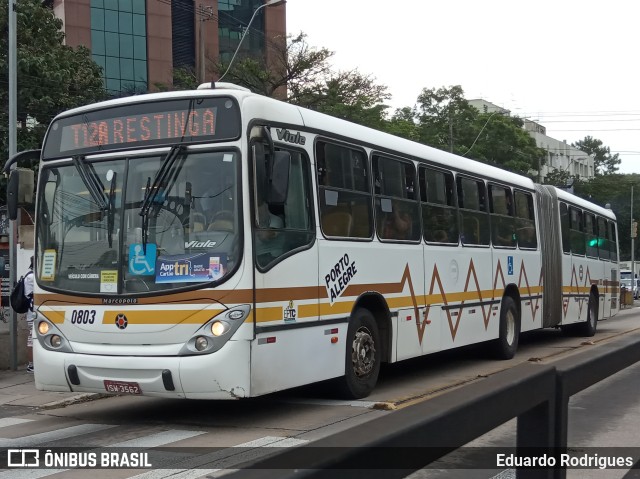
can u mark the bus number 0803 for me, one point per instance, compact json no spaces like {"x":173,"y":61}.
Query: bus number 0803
{"x":83,"y":316}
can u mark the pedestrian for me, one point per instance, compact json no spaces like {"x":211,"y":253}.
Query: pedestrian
{"x":28,"y":292}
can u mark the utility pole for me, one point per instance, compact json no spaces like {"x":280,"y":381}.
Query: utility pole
{"x":13,"y":147}
{"x":205,"y":14}
{"x":634,"y":225}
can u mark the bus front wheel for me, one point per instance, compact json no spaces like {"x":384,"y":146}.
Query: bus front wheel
{"x":507,"y":342}
{"x":362,"y":361}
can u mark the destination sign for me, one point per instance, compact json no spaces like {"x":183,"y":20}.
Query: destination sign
{"x":144,"y":124}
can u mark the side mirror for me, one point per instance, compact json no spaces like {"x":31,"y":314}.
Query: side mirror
{"x":19,"y":190}
{"x":279,"y":181}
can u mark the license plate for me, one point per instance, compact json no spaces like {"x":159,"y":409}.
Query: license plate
{"x":122,"y":387}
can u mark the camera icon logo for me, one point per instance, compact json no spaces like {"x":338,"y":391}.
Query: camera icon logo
{"x":23,"y":458}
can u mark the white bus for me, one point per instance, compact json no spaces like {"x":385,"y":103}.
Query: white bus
{"x":219,"y":244}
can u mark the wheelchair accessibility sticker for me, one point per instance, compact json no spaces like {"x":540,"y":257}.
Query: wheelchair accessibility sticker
{"x":509,"y":265}
{"x":141,"y":263}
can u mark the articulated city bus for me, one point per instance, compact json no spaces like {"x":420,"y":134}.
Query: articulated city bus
{"x":220,"y":244}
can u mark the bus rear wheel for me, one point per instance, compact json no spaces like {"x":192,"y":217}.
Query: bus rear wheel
{"x":362,"y":361}
{"x":507,"y":343}
{"x":588,"y":328}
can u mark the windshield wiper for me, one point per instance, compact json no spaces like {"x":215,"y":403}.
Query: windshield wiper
{"x":111,"y":210}
{"x":92,"y":182}
{"x":152,"y":189}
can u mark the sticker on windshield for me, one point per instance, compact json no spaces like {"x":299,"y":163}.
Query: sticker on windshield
{"x":109,"y":281}
{"x":48,"y":269}
{"x":141,"y":263}
{"x":217,"y":267}
{"x":190,"y":268}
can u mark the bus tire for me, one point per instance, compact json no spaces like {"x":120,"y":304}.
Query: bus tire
{"x":362,"y":361}
{"x":588,"y":328}
{"x":507,"y":343}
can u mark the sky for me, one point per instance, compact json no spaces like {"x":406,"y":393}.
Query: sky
{"x":571,"y":65}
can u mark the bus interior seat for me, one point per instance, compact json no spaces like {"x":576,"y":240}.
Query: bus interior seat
{"x":222,"y":221}
{"x":362,"y":227}
{"x":337,"y":223}
{"x":198,"y":220}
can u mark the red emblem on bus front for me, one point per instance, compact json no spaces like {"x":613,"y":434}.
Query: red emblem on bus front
{"x":121,"y":321}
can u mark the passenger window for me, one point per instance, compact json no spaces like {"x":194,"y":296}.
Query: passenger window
{"x":613,"y":241}
{"x":502,"y":221}
{"x":576,"y":231}
{"x":397,"y":215}
{"x":526,"y":233}
{"x":603,"y":239}
{"x":474,"y":219}
{"x":281,"y":229}
{"x":437,"y":195}
{"x":591,"y":237}
{"x":344,"y":194}
{"x":565,"y":223}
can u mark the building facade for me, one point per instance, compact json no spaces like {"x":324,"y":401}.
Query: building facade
{"x":138,"y":43}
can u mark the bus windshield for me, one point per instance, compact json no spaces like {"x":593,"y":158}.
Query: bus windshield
{"x":94,"y":236}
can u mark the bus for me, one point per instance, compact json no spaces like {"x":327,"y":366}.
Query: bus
{"x":219,"y":244}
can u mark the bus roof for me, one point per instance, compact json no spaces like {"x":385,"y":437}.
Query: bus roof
{"x":258,"y":106}
{"x":569,"y":198}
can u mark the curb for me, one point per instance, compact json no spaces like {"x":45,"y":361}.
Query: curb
{"x":80,"y":398}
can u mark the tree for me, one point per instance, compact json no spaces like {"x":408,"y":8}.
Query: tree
{"x":604,"y":162}
{"x":52,"y":77}
{"x":302,"y":75}
{"x":445,"y":118}
{"x":559,"y":178}
{"x":501,"y":141}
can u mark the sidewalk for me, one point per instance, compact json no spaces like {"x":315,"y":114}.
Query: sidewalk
{"x":17,"y":388}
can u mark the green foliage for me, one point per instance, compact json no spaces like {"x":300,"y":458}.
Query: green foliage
{"x":604,"y":162}
{"x":51,"y":77}
{"x":559,"y":178}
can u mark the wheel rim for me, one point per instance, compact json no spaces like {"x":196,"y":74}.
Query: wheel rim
{"x":363,"y":355}
{"x":511,"y":327}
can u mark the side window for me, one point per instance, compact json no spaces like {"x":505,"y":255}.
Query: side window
{"x":564,"y":224}
{"x":344,"y":194}
{"x":603,"y":238}
{"x":282,"y":228}
{"x":437,"y":195}
{"x":526,"y":233}
{"x":502,"y":221}
{"x":474,"y":220}
{"x":613,"y":241}
{"x":397,"y":215}
{"x":576,"y":231}
{"x":591,"y":237}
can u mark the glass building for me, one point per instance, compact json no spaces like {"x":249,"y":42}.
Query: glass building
{"x":138,"y":43}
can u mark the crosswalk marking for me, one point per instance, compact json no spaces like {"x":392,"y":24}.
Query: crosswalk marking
{"x":250,"y":450}
{"x":12,"y":421}
{"x":45,"y":437}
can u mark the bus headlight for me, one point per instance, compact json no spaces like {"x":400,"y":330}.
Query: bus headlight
{"x":55,"y":341}
{"x":201,"y":343}
{"x":214,"y":334}
{"x":218,"y":328}
{"x":43,"y":327}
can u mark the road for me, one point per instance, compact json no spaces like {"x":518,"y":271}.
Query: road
{"x":606,"y":414}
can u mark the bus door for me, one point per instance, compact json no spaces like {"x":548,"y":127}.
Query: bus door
{"x":286,"y":268}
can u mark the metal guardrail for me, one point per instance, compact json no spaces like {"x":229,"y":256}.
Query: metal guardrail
{"x":536,"y":394}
